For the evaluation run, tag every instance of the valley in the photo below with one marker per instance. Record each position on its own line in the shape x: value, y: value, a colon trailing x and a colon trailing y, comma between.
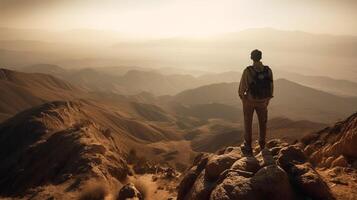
x: 77, y: 133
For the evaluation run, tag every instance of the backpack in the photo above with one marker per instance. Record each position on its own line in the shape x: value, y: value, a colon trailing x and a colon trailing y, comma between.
x: 261, y: 85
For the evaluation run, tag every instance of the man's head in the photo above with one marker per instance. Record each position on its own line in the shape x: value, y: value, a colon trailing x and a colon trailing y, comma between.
x: 256, y: 55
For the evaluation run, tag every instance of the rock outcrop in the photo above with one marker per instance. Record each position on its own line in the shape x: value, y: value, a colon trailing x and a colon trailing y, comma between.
x: 278, y: 172
x: 333, y: 146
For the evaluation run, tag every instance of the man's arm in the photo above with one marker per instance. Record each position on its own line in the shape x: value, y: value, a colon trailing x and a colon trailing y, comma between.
x: 272, y: 83
x: 243, y: 85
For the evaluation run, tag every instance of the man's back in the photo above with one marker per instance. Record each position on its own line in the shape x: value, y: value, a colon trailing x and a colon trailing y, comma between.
x: 249, y: 77
x: 255, y: 89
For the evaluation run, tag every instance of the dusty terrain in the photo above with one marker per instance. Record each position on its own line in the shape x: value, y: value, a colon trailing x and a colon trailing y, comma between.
x: 65, y: 141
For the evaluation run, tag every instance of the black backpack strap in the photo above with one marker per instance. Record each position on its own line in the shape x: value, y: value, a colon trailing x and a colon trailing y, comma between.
x: 268, y: 70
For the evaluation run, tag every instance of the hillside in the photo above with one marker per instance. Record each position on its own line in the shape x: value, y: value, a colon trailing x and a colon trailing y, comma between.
x: 297, y: 101
x: 50, y: 69
x: 218, y: 93
x: 335, y: 145
x: 219, y: 133
x: 290, y: 130
x: 95, y: 144
x: 334, y: 149
x: 24, y: 90
x: 209, y: 111
x: 35, y: 167
x: 290, y: 100
x: 327, y: 84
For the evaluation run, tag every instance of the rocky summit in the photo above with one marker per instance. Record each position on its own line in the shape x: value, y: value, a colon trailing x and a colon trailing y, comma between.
x: 280, y: 171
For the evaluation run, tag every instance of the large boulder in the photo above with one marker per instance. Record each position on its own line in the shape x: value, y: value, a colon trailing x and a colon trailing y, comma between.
x: 270, y: 182
x: 191, y: 175
x: 201, y: 189
x: 201, y: 161
x: 249, y: 164
x: 234, y: 187
x: 288, y: 156
x: 309, y: 182
x: 217, y: 164
x: 187, y: 182
x: 129, y: 192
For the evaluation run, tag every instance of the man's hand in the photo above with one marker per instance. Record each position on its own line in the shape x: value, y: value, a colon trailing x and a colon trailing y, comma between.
x: 268, y: 101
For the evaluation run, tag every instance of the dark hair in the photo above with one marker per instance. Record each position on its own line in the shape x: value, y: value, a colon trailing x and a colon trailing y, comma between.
x: 256, y: 55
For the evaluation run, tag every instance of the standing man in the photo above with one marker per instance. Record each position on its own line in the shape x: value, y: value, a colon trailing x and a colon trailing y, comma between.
x: 255, y: 91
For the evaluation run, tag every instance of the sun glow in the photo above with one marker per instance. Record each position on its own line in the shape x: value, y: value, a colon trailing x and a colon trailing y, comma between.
x: 181, y: 17
x: 167, y: 19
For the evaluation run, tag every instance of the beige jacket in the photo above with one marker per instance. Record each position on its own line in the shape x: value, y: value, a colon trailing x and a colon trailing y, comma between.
x: 247, y: 79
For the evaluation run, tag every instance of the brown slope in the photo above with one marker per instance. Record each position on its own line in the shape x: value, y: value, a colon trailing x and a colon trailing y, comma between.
x: 216, y: 134
x: 35, y: 80
x: 324, y: 83
x: 50, y: 69
x: 336, y: 142
x: 333, y: 151
x: 52, y: 146
x: 24, y: 90
x: 209, y: 111
x: 291, y: 100
x: 15, y: 98
x: 290, y: 130
x: 61, y: 145
x: 225, y: 93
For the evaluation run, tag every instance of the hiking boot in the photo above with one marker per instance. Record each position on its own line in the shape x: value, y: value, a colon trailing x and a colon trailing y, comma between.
x: 261, y: 145
x: 246, y: 149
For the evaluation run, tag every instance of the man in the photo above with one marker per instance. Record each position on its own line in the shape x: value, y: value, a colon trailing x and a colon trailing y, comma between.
x: 255, y: 91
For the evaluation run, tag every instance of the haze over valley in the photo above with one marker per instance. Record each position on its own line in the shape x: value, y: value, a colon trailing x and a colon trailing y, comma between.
x: 122, y: 99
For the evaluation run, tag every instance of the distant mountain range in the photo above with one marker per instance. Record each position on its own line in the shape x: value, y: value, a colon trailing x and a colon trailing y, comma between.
x: 291, y: 100
x: 131, y: 81
x: 293, y: 51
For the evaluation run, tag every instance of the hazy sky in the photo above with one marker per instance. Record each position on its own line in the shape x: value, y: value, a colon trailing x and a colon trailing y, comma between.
x: 182, y: 17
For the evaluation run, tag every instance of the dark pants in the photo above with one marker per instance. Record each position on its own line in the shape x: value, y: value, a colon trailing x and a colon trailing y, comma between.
x: 262, y: 112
